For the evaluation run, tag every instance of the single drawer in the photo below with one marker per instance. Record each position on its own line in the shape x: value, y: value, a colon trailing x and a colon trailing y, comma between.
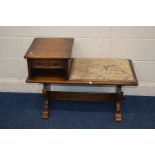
x: 49, y: 64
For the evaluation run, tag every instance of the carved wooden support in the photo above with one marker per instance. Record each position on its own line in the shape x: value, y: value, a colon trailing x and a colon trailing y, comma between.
x: 117, y: 97
x: 46, y: 106
x: 118, y: 115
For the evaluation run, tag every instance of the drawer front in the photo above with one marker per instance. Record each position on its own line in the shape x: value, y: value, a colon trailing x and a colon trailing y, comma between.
x: 49, y: 64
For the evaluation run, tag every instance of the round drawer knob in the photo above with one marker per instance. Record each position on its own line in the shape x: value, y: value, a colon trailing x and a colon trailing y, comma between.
x: 90, y: 82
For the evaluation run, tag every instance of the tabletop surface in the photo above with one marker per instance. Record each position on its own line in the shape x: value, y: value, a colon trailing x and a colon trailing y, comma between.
x: 88, y: 71
x: 103, y: 70
x: 50, y: 48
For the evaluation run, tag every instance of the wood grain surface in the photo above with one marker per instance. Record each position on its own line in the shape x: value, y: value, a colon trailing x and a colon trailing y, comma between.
x: 50, y: 48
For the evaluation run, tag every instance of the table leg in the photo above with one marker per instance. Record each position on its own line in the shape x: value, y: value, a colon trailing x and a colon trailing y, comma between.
x: 118, y: 115
x: 46, y: 106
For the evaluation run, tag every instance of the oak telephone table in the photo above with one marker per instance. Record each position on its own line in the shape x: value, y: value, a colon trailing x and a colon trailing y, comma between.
x: 49, y: 62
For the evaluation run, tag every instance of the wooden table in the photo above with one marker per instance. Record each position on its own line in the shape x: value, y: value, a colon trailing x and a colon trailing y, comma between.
x: 50, y: 62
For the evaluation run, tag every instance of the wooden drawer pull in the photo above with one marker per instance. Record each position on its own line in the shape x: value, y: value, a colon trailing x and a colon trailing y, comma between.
x: 56, y: 65
x: 37, y: 64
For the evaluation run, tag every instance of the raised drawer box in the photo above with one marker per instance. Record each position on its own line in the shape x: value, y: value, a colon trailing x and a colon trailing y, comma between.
x: 49, y: 58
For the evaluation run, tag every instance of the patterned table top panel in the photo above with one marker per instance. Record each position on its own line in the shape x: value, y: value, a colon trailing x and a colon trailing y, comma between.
x: 106, y: 69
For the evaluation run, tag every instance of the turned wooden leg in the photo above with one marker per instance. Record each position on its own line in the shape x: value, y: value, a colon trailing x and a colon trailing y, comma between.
x: 46, y: 106
x: 118, y: 115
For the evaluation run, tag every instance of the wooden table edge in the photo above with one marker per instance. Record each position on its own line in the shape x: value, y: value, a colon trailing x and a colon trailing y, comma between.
x: 76, y: 82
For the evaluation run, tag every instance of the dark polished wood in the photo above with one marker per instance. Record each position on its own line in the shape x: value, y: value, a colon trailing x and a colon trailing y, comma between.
x: 119, y: 94
x: 54, y: 79
x: 48, y: 58
x: 44, y: 48
x: 49, y: 62
x: 46, y: 97
x: 62, y: 80
x: 117, y: 98
x: 83, y: 96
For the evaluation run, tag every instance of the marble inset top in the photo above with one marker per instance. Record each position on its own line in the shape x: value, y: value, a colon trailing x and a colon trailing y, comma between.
x: 105, y: 69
